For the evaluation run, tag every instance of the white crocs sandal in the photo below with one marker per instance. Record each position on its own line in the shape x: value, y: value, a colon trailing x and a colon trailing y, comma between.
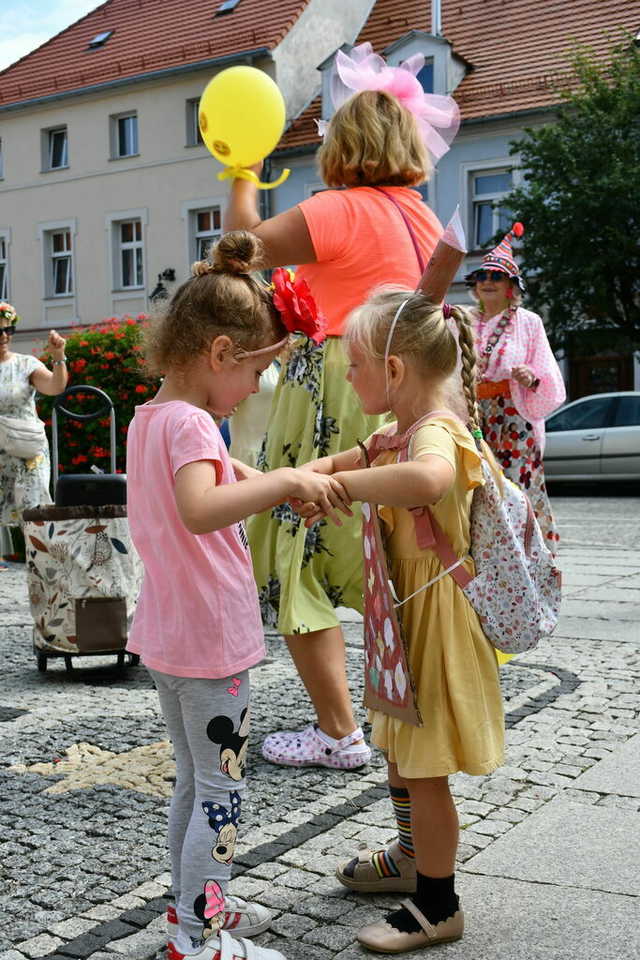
x: 312, y: 747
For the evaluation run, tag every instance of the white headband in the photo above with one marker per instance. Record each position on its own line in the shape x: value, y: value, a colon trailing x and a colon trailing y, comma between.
x: 388, y: 346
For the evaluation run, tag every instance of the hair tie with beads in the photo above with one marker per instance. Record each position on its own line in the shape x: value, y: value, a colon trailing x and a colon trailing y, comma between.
x: 447, y: 311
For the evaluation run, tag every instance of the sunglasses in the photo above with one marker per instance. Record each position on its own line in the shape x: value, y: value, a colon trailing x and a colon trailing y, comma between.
x: 494, y: 275
x: 8, y: 330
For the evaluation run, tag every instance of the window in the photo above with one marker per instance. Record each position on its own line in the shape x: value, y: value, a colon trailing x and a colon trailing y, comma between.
x: 55, y: 150
x: 588, y: 415
x: 226, y: 7
x: 59, y: 282
x: 130, y: 259
x: 4, y: 269
x: 426, y: 77
x: 488, y: 187
x: 628, y: 412
x: 100, y: 39
x: 1, y: 161
x: 194, y: 137
x: 124, y: 136
x: 207, y: 225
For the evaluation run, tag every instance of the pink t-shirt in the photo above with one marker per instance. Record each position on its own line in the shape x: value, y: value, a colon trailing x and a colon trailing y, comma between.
x: 361, y: 241
x: 198, y: 612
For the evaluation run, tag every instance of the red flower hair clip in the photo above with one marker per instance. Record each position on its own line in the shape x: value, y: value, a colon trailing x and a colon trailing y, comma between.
x: 294, y: 301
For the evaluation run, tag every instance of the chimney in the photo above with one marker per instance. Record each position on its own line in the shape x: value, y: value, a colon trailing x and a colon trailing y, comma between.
x: 436, y: 17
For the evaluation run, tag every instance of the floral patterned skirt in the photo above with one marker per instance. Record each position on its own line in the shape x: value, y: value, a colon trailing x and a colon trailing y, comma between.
x: 511, y: 438
x: 303, y: 574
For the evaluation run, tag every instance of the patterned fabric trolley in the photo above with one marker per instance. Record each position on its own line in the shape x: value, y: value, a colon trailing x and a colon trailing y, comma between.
x: 83, y: 572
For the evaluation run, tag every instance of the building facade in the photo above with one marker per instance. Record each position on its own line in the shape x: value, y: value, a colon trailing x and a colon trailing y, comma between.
x: 106, y: 189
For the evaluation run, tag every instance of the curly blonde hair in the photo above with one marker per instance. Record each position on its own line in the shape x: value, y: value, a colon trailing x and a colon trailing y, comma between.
x: 372, y: 139
x: 220, y: 298
x: 421, y: 333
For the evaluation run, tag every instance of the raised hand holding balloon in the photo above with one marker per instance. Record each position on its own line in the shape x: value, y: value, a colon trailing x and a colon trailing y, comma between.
x: 241, y: 118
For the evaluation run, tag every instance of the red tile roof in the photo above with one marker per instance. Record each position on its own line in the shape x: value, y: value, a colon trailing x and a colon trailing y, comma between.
x: 149, y: 35
x: 517, y: 48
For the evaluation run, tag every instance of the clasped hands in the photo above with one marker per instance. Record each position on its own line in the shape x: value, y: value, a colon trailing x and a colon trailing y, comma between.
x: 319, y: 495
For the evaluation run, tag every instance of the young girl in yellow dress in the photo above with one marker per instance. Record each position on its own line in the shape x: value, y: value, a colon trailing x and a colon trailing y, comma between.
x: 403, y: 357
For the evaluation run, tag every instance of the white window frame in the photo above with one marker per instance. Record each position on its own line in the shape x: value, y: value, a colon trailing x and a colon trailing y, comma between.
x: 133, y: 247
x: 189, y: 212
x: 115, y: 120
x: 113, y: 222
x: 46, y: 233
x: 5, y: 262
x: 48, y: 135
x: 193, y: 135
x: 483, y: 167
x: 207, y: 235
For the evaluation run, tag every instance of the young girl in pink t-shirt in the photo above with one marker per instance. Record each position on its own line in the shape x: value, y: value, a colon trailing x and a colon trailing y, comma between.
x: 197, y: 625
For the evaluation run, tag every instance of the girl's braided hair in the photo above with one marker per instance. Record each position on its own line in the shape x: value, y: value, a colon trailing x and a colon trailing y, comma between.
x: 222, y: 297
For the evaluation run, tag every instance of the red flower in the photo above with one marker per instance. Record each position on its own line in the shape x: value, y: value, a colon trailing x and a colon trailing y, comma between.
x: 78, y: 365
x: 140, y: 388
x: 109, y: 355
x: 79, y: 459
x: 294, y: 302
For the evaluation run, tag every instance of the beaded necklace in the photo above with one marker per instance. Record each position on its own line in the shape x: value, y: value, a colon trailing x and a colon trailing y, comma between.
x: 500, y: 333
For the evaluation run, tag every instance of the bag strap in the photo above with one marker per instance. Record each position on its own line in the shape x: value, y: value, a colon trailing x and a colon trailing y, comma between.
x: 429, y: 533
x: 407, y: 224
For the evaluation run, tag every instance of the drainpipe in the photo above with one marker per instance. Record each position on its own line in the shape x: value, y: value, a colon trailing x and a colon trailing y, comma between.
x: 436, y: 18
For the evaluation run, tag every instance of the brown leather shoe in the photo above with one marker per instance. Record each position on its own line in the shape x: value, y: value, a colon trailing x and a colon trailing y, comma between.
x: 366, y: 878
x: 383, y: 938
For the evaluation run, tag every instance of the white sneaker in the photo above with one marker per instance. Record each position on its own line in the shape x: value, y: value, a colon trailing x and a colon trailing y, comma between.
x: 224, y: 947
x: 244, y: 918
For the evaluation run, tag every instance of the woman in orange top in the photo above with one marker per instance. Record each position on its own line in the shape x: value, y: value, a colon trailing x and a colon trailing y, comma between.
x: 377, y: 230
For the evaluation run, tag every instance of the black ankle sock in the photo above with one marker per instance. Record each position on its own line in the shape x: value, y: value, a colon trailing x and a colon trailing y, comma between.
x: 435, y: 897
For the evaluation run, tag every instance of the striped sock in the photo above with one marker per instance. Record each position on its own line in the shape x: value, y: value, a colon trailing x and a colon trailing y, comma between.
x: 402, y: 809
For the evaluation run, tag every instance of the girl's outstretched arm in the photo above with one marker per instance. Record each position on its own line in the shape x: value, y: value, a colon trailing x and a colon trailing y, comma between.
x: 345, y: 460
x: 415, y: 483
x: 411, y: 484
x: 204, y: 506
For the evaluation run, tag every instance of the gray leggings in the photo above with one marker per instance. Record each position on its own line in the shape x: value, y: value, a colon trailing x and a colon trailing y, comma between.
x: 208, y: 723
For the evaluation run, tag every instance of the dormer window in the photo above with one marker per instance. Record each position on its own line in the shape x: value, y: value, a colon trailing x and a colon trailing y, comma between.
x: 100, y: 39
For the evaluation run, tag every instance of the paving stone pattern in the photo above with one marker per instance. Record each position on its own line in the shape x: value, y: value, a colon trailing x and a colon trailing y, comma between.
x: 84, y: 872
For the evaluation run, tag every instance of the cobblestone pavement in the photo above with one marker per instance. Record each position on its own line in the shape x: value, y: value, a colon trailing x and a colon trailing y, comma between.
x: 86, y: 771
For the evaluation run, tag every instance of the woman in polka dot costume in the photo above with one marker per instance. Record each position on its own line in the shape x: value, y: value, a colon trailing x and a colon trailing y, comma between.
x: 520, y: 382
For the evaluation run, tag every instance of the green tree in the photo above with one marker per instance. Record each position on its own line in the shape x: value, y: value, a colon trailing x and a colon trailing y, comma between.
x: 580, y: 203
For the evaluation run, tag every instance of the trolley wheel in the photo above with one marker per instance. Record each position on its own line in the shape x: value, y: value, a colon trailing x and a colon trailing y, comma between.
x: 134, y: 659
x: 42, y: 662
x: 121, y: 660
x: 68, y: 663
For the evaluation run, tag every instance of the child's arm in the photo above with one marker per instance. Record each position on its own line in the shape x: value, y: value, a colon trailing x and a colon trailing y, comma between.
x: 345, y: 460
x: 412, y: 484
x: 203, y: 506
x: 243, y: 471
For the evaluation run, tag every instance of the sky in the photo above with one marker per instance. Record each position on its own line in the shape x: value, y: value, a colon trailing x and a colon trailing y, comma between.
x: 26, y: 24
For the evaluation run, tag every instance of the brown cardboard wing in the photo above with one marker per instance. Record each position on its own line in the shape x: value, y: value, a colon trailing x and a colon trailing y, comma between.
x: 444, y: 263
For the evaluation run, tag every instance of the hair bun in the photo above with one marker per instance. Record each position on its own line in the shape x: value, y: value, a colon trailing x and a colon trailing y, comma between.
x: 237, y: 252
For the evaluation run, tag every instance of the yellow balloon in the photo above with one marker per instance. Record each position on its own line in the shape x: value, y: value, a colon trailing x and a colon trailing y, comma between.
x: 241, y: 116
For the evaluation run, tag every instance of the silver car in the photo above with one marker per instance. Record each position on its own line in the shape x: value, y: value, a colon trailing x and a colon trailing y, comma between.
x: 595, y: 438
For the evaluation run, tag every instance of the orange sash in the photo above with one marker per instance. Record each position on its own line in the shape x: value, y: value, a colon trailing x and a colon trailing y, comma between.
x: 493, y: 388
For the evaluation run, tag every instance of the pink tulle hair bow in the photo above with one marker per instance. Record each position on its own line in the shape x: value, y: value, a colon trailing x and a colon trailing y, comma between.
x: 438, y: 117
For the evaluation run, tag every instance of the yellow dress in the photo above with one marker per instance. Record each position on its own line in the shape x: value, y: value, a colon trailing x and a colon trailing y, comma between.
x: 453, y: 663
